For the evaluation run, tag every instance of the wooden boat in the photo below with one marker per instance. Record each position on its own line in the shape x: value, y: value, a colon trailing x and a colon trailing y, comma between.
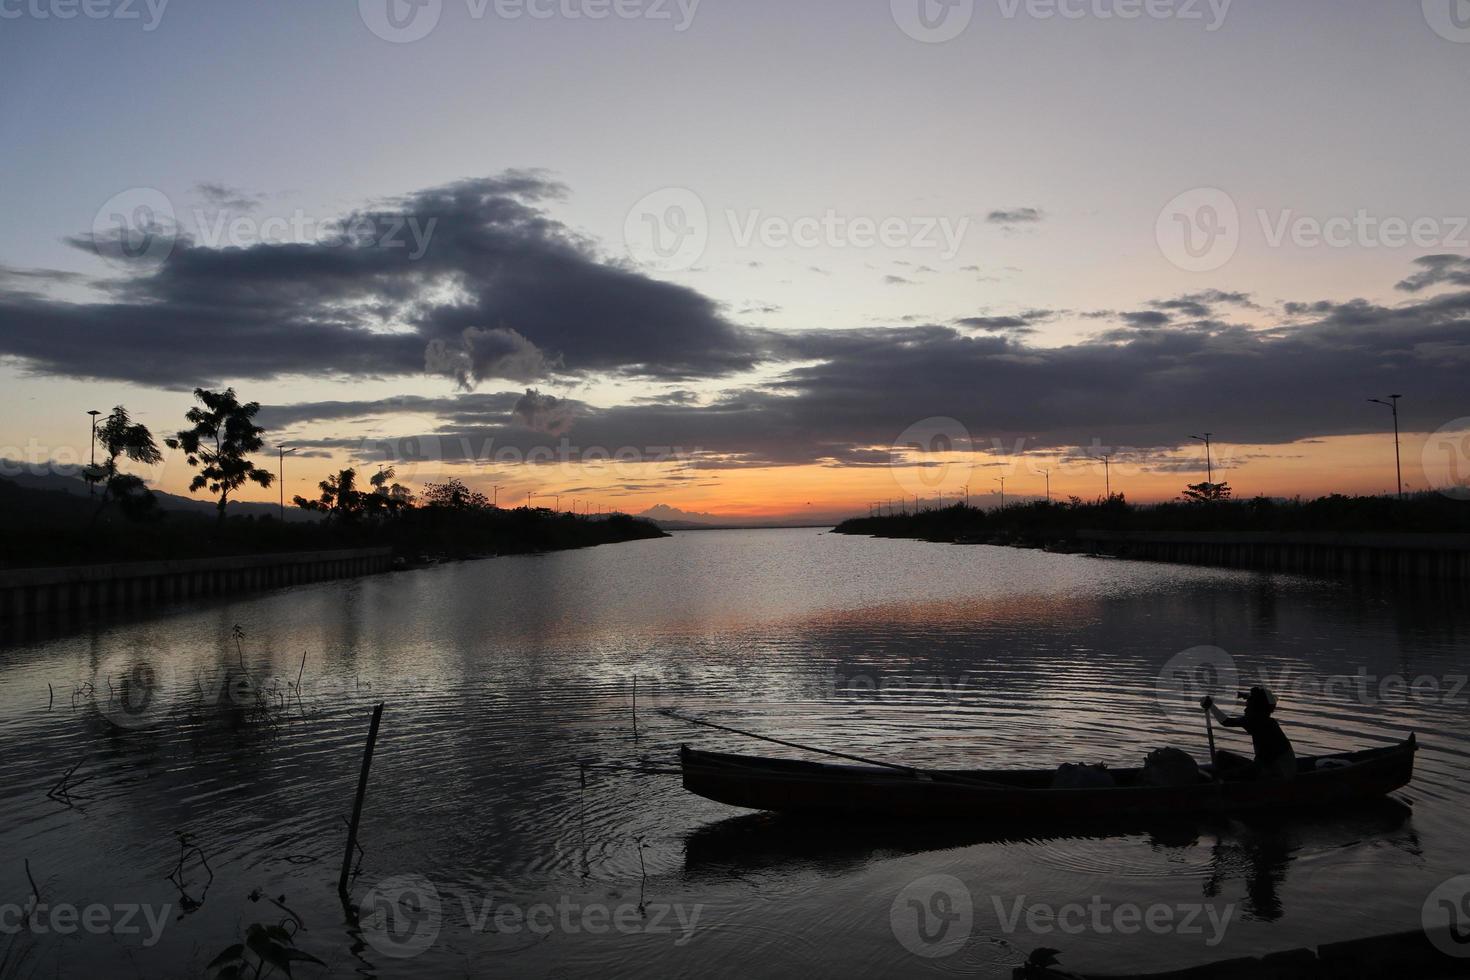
x: 1001, y: 796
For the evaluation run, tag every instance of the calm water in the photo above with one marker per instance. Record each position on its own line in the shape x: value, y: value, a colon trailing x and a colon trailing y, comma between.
x: 500, y: 677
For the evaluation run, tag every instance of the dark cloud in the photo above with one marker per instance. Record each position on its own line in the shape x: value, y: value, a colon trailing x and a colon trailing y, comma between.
x: 495, y: 288
x: 543, y: 413
x: 857, y: 390
x: 1020, y: 323
x: 1015, y: 216
x: 1202, y: 304
x: 1438, y: 270
x: 227, y: 198
x: 997, y: 324
x: 1145, y: 318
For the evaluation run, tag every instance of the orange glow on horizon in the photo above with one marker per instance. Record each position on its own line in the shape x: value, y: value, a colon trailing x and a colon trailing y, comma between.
x: 818, y: 493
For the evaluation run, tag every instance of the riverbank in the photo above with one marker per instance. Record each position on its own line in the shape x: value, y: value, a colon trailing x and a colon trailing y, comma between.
x: 46, y: 529
x: 1425, y: 536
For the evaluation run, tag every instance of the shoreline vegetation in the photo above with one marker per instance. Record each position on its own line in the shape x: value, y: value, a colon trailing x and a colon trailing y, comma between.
x: 1057, y: 525
x: 46, y: 528
x: 120, y: 520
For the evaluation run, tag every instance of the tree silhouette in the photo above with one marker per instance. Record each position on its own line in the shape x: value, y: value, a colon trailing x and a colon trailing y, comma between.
x: 341, y: 500
x: 1207, y: 492
x: 223, y: 433
x: 454, y: 495
x: 121, y: 438
x: 387, y: 496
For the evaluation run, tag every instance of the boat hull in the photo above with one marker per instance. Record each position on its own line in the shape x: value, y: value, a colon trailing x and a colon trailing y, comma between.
x: 1022, y: 796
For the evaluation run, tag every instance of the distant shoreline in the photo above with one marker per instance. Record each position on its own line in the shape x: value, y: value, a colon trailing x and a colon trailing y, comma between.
x: 750, y: 527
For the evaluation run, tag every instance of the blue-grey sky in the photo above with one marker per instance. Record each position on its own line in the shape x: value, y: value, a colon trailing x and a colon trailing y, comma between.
x: 1025, y: 167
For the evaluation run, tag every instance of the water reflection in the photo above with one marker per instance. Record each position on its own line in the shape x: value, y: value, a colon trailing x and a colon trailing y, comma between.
x: 502, y: 677
x: 1258, y: 851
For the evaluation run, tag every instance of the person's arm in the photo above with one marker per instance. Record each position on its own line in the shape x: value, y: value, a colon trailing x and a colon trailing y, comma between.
x: 1209, y: 705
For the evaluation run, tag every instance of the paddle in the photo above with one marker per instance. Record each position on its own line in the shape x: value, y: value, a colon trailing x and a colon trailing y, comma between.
x: 1210, y: 731
x: 926, y: 773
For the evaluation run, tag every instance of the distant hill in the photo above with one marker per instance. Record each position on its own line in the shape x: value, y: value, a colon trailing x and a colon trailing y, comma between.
x: 32, y: 476
x: 674, y: 519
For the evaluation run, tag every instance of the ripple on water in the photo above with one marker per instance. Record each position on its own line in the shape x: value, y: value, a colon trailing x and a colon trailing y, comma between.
x: 502, y: 678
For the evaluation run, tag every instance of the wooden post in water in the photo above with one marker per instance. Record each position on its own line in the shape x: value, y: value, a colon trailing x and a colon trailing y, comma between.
x: 362, y: 781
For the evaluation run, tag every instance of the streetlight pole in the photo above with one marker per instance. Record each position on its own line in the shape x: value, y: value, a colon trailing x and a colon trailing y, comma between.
x: 1002, y: 482
x: 1209, y: 457
x: 92, y: 467
x: 1398, y: 459
x: 1047, y: 473
x: 1108, y: 475
x: 281, y: 453
x: 495, y: 496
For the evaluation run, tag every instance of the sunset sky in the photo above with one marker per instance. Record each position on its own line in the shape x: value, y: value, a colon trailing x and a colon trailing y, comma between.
x: 749, y: 258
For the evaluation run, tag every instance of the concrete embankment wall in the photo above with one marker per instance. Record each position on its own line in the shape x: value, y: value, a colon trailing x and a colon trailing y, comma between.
x: 1416, y: 556
x: 33, y: 593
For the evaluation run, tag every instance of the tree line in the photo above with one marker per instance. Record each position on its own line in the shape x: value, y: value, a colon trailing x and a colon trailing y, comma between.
x: 221, y: 437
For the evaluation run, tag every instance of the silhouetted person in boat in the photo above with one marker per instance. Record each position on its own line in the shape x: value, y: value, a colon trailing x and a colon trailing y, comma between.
x: 1275, y: 758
